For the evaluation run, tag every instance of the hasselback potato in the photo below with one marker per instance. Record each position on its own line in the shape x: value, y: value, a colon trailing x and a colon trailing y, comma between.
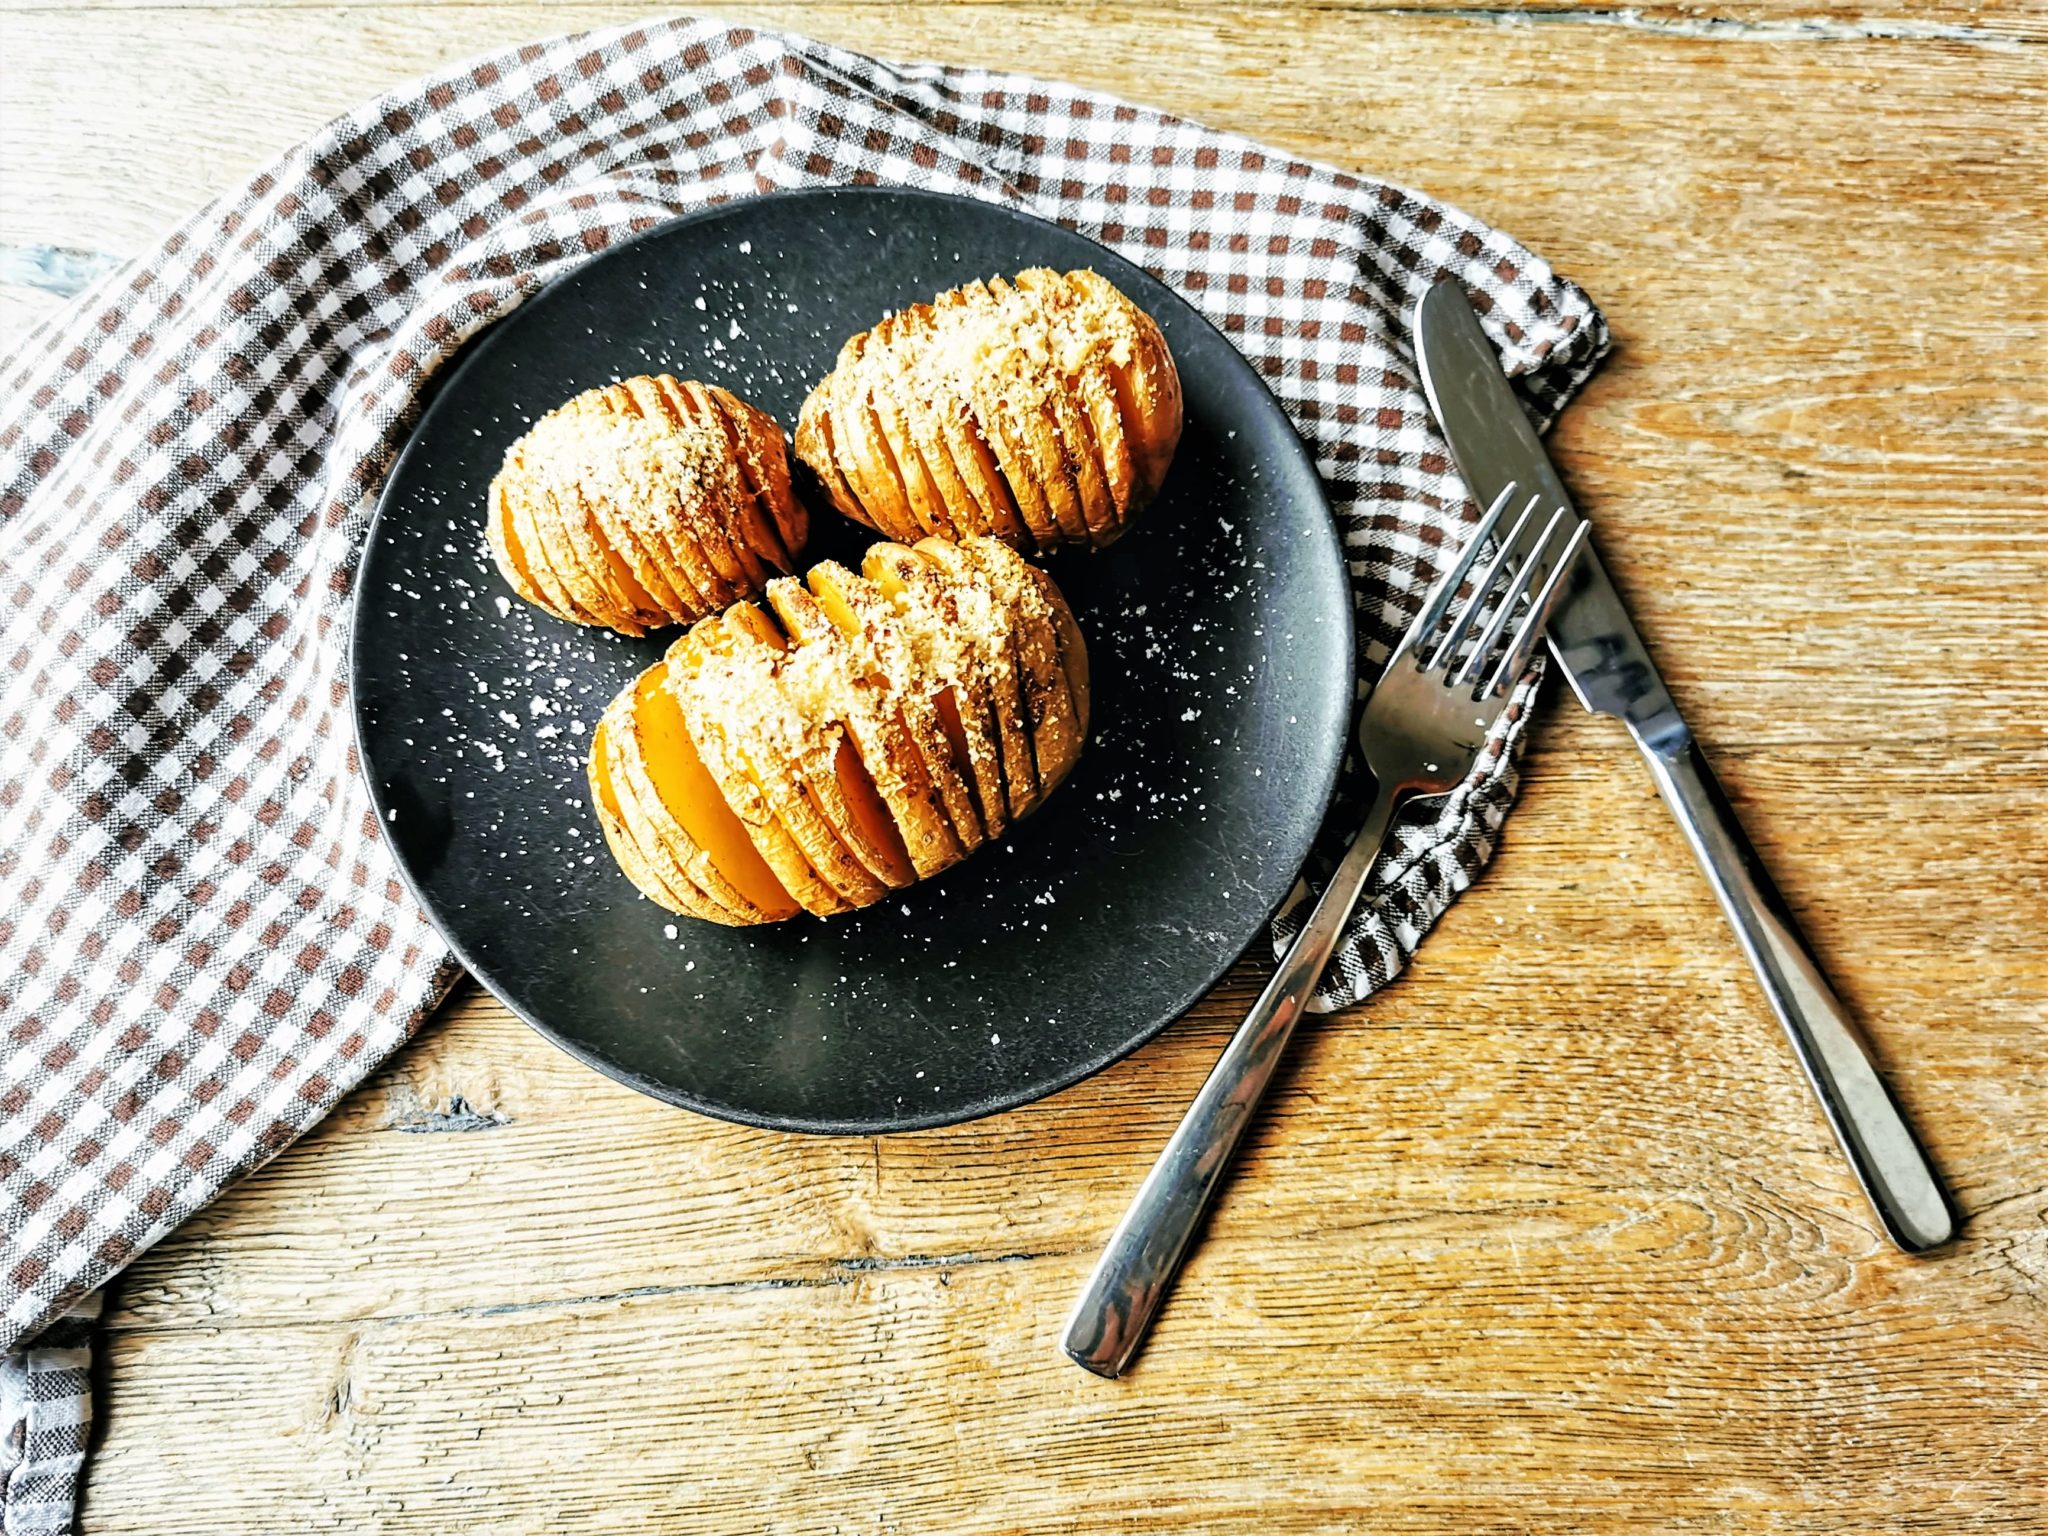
x: 1042, y: 412
x: 647, y: 503
x: 875, y: 730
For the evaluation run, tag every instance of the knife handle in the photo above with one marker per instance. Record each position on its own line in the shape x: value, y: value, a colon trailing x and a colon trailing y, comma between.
x: 1895, y: 1173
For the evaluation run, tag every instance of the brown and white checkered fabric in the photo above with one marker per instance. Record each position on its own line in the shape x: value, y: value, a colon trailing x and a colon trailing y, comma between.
x: 46, y: 1422
x: 204, y: 944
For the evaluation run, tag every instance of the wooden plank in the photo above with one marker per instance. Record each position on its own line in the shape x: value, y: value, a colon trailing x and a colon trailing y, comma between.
x: 1805, y: 21
x: 195, y: 107
x: 1550, y: 1234
x: 24, y: 307
x: 1628, y: 1365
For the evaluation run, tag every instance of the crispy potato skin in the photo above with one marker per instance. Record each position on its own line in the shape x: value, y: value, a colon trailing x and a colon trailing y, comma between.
x: 874, y: 728
x: 1043, y: 411
x: 652, y: 502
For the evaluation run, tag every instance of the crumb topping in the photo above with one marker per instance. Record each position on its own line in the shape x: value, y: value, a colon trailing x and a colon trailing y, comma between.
x: 647, y: 468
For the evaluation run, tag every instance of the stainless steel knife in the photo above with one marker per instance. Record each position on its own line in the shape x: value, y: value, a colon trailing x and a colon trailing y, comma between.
x: 1605, y: 662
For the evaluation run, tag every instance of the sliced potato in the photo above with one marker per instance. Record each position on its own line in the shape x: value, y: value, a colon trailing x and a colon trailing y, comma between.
x: 892, y: 412
x: 817, y: 440
x: 681, y: 821
x: 887, y: 739
x: 776, y: 524
x: 863, y: 460
x: 804, y: 762
x: 1090, y: 419
x: 1003, y: 667
x: 730, y: 744
x: 532, y: 521
x: 871, y: 823
x: 1148, y: 389
x: 1055, y: 726
x: 847, y: 795
x: 648, y: 502
x: 1073, y: 653
x: 890, y: 723
x: 873, y: 630
x: 506, y: 549
x: 1030, y: 382
x: 1043, y: 410
x: 666, y: 886
x: 932, y: 609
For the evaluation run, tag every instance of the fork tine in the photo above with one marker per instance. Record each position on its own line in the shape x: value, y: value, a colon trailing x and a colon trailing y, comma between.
x: 1517, y: 588
x: 1476, y: 603
x: 1531, y: 628
x: 1447, y: 585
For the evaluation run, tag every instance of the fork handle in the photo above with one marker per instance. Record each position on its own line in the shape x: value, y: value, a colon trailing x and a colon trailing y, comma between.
x: 1889, y: 1163
x: 1144, y: 1253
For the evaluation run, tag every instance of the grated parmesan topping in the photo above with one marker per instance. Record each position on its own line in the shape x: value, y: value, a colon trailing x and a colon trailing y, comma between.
x: 644, y: 467
x: 788, y: 710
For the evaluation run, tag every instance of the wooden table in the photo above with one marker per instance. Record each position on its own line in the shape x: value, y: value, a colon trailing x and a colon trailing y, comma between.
x: 1550, y: 1236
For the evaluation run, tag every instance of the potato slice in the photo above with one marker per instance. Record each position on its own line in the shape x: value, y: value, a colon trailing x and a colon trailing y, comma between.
x: 1096, y: 385
x: 729, y: 704
x: 652, y: 588
x: 1003, y: 665
x: 1055, y: 727
x: 892, y: 410
x: 1073, y: 654
x: 1043, y: 410
x: 955, y: 447
x: 669, y: 542
x: 658, y: 878
x: 999, y: 430
x: 787, y: 751
x: 913, y: 768
x: 940, y: 618
x: 1098, y: 508
x: 674, y: 807
x: 846, y: 795
x: 956, y: 506
x: 798, y: 766
x: 776, y: 523
x: 863, y: 456
x: 891, y: 723
x: 635, y: 547
x: 975, y: 460
x: 872, y: 825
x: 689, y: 814
x: 506, y: 549
x: 879, y: 639
x: 647, y: 502
x: 743, y: 535
x: 534, y: 530
x: 1031, y: 387
x: 707, y: 526
x: 1090, y: 421
x: 604, y: 584
x: 1148, y: 388
x: 817, y: 443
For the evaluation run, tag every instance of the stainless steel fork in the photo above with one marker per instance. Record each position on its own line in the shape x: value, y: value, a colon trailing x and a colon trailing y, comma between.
x: 1421, y: 731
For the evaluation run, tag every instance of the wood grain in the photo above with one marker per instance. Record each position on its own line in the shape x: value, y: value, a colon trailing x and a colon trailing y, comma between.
x: 1550, y: 1235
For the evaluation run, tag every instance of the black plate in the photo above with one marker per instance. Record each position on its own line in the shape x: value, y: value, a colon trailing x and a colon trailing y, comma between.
x: 1220, y: 634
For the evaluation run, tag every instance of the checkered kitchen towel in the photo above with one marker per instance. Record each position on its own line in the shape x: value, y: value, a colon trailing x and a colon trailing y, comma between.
x: 203, y: 944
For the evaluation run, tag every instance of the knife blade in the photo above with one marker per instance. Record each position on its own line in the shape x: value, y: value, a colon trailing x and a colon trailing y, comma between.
x: 1604, y: 659
x: 1610, y: 670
